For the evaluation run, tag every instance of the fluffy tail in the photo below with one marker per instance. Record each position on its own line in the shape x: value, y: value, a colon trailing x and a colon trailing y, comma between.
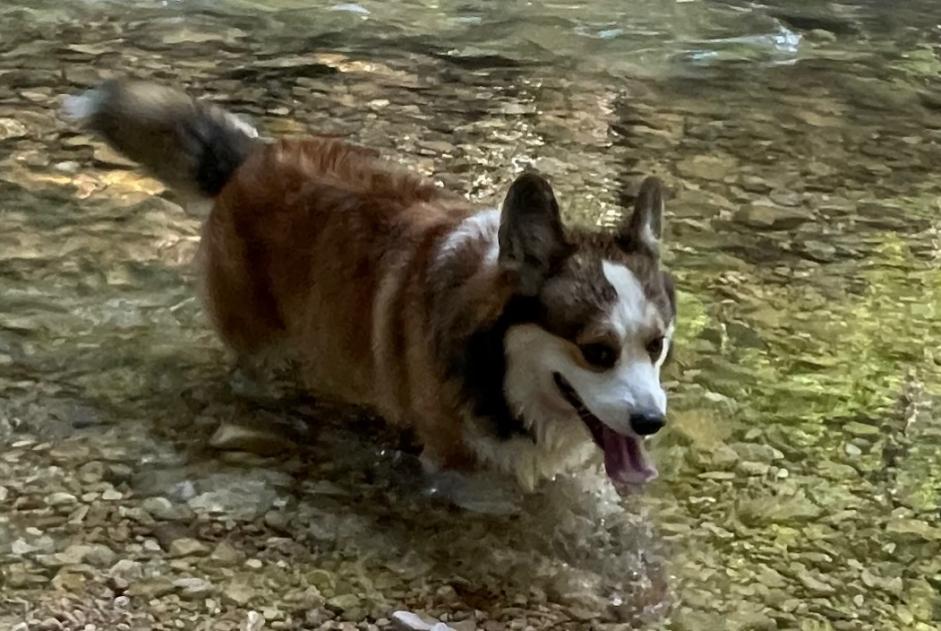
x: 191, y: 146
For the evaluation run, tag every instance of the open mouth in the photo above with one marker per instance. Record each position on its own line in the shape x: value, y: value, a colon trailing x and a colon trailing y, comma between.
x: 626, y: 461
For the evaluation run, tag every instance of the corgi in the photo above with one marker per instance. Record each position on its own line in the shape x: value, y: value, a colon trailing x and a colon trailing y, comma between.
x: 504, y: 338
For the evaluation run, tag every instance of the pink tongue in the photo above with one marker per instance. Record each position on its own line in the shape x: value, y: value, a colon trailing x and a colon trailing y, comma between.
x: 625, y: 459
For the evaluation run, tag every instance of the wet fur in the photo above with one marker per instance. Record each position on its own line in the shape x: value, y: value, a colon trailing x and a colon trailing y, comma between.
x: 395, y: 294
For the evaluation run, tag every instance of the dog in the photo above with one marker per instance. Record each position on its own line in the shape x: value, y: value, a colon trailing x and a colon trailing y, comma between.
x: 503, y: 338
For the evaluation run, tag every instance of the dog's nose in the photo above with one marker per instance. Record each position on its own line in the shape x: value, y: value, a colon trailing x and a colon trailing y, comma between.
x: 646, y: 423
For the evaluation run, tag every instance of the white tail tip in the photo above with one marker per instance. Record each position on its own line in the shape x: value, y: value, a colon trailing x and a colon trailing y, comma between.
x: 83, y: 106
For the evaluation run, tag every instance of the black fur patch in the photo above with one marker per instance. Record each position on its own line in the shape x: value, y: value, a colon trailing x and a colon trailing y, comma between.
x: 481, y: 367
x: 218, y: 149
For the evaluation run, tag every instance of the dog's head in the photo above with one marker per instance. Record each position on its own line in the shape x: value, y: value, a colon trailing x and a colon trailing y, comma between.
x: 592, y: 320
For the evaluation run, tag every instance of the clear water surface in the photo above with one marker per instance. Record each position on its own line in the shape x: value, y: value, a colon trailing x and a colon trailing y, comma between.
x: 801, y: 473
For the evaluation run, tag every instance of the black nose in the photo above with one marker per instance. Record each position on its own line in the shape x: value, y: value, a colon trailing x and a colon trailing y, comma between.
x: 646, y: 423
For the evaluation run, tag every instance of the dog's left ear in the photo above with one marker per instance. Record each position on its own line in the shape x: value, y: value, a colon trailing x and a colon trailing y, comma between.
x: 532, y: 239
x: 642, y: 231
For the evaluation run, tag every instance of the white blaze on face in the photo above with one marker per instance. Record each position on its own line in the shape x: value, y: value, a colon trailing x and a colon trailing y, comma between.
x: 534, y: 356
x: 633, y: 385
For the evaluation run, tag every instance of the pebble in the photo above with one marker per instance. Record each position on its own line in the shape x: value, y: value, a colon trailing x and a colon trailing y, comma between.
x: 127, y: 569
x: 94, y: 554
x: 785, y: 197
x: 11, y: 128
x: 254, y: 621
x: 768, y: 217
x: 187, y: 547
x: 821, y: 35
x: 238, y: 593
x: 814, y: 584
x: 717, y: 475
x: 855, y: 428
x: 150, y: 588
x: 22, y: 547
x: 344, y: 601
x: 231, y: 436
x: 193, y: 588
x: 277, y: 520
x: 723, y: 457
x: 408, y: 621
x: 706, y: 167
x: 91, y: 472
x: 163, y: 509
x: 224, y: 554
x: 61, y: 498
x: 111, y: 495
x: 755, y: 184
x: 754, y: 468
x: 137, y: 515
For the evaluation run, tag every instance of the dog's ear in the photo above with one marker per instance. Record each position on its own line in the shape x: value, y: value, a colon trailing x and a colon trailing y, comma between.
x: 532, y: 239
x: 641, y: 232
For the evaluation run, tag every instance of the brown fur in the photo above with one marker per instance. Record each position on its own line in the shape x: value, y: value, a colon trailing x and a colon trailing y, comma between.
x: 321, y: 248
x: 295, y: 249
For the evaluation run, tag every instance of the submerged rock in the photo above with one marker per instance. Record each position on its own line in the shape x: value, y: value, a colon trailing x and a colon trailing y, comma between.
x: 193, y: 588
x: 188, y: 547
x: 706, y: 167
x: 768, y: 217
x: 231, y: 436
x: 163, y: 509
x: 239, y: 593
x: 10, y: 128
x: 408, y: 621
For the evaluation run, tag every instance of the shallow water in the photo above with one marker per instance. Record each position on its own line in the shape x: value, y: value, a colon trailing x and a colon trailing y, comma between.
x: 801, y: 473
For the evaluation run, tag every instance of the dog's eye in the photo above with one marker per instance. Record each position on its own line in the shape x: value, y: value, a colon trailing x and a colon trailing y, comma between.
x: 655, y: 347
x: 599, y: 355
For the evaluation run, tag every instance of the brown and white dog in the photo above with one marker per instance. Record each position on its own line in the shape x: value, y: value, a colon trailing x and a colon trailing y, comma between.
x: 501, y: 337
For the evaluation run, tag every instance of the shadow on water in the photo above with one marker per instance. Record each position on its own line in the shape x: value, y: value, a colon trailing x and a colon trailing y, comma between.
x: 800, y: 476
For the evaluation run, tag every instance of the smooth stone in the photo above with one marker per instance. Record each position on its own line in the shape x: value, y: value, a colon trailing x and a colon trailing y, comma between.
x: 127, y: 569
x: 187, y: 547
x: 61, y: 498
x: 855, y: 428
x: 91, y: 472
x: 231, y: 436
x: 814, y: 584
x: 344, y: 601
x: 10, y: 128
x: 238, y: 593
x: 225, y: 555
x: 706, y: 167
x: 151, y: 588
x: 163, y: 509
x: 254, y: 621
x: 111, y: 495
x: 769, y: 217
x: 408, y: 621
x: 97, y: 555
x: 754, y: 468
x: 193, y: 588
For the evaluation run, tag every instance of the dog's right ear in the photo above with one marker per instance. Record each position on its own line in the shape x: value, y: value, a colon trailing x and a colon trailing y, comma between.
x: 643, y: 230
x: 532, y: 239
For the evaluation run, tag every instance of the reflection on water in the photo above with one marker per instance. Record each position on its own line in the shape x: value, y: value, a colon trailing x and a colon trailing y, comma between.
x: 800, y: 478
